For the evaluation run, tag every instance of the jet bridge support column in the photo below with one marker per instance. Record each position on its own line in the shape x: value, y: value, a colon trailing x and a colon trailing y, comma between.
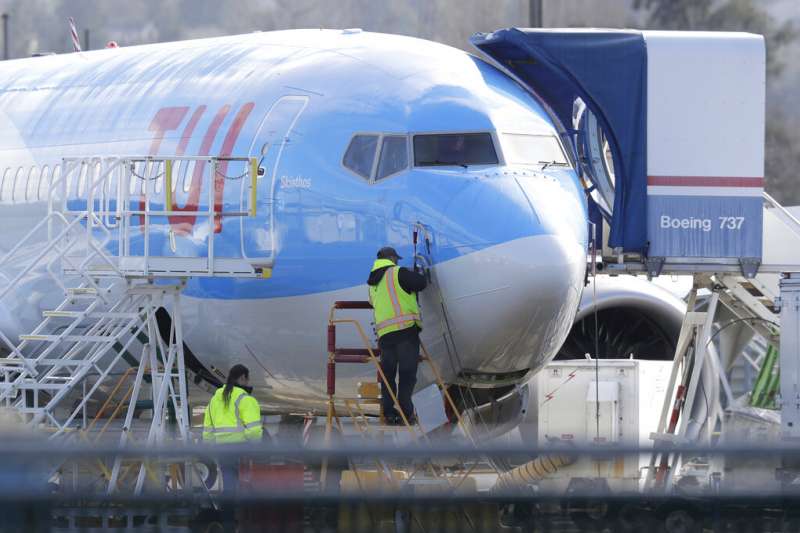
x: 790, y: 355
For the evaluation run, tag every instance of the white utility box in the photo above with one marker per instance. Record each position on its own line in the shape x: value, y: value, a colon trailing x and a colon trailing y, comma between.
x: 629, y: 394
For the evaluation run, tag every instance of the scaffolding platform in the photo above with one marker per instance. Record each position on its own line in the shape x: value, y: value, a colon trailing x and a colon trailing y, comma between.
x: 106, y: 218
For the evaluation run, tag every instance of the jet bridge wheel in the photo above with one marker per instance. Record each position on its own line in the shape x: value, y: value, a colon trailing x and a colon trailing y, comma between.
x: 685, y: 517
x: 586, y: 506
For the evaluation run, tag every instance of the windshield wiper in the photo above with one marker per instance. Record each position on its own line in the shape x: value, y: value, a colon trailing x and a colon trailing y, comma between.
x: 546, y: 164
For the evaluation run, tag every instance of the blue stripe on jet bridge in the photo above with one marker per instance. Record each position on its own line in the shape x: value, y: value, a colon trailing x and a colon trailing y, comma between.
x: 702, y: 226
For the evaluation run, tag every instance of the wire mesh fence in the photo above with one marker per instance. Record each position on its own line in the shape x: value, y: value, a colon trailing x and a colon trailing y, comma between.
x: 411, y: 487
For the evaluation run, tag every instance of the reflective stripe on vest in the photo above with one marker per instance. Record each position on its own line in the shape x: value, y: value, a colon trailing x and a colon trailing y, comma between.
x: 395, y: 309
x: 241, y: 427
x: 233, y: 430
x: 392, y: 290
x: 397, y: 320
x: 239, y: 421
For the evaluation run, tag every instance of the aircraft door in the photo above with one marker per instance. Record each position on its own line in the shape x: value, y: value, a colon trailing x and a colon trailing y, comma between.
x: 258, y: 240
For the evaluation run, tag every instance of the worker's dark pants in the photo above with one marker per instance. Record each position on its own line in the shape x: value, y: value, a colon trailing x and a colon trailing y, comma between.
x: 402, y: 356
x: 230, y: 487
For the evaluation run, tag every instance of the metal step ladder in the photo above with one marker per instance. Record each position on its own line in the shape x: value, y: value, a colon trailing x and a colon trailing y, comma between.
x: 102, y: 213
x: 750, y: 302
x: 369, y: 393
x: 357, y: 407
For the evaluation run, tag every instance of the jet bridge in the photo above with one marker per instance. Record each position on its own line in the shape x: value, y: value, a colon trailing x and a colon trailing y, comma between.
x: 667, y: 129
x: 667, y: 132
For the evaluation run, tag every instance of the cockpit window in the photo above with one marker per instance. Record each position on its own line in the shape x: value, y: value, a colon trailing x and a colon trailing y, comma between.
x: 360, y: 155
x: 394, y: 156
x: 461, y: 149
x: 526, y: 149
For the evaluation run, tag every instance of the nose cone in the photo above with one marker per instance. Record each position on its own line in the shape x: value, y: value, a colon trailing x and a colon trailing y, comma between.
x: 510, y: 305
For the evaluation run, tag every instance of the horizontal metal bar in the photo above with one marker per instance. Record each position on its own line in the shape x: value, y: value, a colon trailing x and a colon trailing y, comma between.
x: 82, y: 290
x: 147, y: 158
x: 362, y: 400
x: 63, y: 314
x: 695, y: 268
x: 720, y: 506
x: 35, y: 448
x: 356, y: 351
x: 31, y: 386
x: 138, y: 212
x: 78, y: 314
x: 352, y: 304
x: 83, y: 296
x: 358, y: 359
x: 68, y: 338
x: 53, y: 362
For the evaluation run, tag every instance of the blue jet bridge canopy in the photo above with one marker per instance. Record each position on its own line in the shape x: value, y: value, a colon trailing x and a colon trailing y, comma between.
x: 604, y: 71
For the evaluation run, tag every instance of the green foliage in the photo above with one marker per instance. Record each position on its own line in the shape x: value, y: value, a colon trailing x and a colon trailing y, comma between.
x: 731, y: 15
x: 675, y: 14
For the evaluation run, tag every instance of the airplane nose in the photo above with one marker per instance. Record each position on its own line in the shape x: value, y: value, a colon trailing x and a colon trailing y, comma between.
x: 509, y: 306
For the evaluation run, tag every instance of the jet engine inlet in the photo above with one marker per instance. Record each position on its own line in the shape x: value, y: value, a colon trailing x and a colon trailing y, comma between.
x: 623, y: 317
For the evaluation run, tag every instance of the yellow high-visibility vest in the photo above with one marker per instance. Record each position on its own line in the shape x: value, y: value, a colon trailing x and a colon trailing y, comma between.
x: 394, y: 308
x: 238, y: 421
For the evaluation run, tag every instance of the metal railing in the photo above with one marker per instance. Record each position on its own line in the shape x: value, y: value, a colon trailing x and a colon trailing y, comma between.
x: 131, y: 199
x: 783, y: 214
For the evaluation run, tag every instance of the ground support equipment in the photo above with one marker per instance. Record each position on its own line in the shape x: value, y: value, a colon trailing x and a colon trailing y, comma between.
x: 94, y: 244
x: 364, y: 409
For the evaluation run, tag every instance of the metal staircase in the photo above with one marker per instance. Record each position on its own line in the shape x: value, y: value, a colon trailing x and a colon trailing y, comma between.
x: 749, y: 302
x: 95, y: 245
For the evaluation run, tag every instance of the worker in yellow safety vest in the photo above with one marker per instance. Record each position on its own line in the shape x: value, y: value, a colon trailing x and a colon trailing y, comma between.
x: 398, y: 324
x: 233, y: 416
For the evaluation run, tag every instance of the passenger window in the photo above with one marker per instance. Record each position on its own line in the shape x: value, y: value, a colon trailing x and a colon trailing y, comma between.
x: 68, y: 180
x: 156, y: 176
x: 80, y: 188
x: 137, y: 178
x: 19, y: 186
x: 43, y: 192
x: 57, y: 185
x: 33, y: 184
x: 394, y: 156
x: 94, y: 178
x: 187, y: 174
x: 6, y: 183
x: 360, y: 155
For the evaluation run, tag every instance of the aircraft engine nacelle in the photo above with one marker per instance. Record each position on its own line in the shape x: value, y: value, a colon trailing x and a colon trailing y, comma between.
x: 624, y: 316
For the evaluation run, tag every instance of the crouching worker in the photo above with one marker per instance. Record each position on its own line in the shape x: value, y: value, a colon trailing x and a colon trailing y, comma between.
x: 392, y: 293
x: 232, y: 417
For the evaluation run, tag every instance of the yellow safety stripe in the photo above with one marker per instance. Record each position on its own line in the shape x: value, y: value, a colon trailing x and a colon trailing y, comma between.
x: 239, y: 421
x: 238, y: 429
x: 397, y: 320
x: 393, y: 291
x: 226, y: 430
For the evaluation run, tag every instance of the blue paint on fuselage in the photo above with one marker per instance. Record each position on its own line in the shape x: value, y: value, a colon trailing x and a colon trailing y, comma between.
x: 326, y: 234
